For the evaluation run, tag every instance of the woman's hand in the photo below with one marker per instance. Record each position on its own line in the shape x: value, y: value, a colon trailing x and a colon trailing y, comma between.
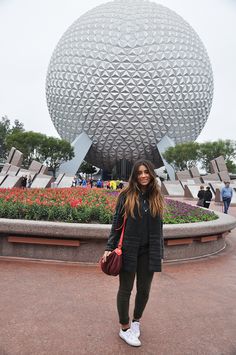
x: 105, y: 255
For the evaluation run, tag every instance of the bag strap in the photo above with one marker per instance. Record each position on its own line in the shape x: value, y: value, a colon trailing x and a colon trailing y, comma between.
x: 122, y: 234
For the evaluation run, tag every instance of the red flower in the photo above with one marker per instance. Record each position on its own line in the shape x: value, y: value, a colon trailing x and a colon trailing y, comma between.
x: 76, y: 203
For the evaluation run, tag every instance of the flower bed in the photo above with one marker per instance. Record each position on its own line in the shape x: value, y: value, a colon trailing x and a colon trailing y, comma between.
x: 83, y: 205
x: 180, y: 212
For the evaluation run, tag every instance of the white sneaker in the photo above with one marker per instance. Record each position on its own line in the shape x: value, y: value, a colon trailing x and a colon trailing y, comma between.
x: 135, y: 327
x: 129, y: 337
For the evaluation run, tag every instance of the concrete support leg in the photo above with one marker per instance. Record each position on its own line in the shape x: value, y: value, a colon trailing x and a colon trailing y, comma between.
x: 162, y: 146
x: 81, y: 146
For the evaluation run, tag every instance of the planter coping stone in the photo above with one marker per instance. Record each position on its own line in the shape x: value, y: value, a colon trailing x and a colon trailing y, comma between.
x: 101, y: 231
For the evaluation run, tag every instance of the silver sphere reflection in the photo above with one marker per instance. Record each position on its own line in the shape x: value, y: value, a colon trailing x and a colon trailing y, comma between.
x: 128, y: 73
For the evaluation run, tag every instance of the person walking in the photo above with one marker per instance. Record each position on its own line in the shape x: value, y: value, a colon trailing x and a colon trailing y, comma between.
x: 29, y: 181
x: 226, y: 195
x: 74, y: 181
x: 207, y: 197
x: 141, y: 204
x: 23, y: 181
x: 99, y: 184
x: 84, y: 182
x: 200, y: 196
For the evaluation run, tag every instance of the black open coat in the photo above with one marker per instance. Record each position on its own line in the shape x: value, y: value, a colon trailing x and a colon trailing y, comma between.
x: 132, y: 238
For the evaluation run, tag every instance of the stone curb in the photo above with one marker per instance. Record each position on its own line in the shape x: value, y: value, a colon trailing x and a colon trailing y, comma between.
x: 222, y: 224
x: 101, y: 231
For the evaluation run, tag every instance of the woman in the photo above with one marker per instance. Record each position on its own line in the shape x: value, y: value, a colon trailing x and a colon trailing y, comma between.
x: 200, y: 196
x: 142, y: 203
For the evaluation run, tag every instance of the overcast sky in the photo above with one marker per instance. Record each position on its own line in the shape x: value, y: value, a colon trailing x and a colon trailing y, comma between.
x: 30, y: 30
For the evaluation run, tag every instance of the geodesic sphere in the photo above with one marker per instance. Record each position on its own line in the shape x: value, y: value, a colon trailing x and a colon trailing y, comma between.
x: 128, y: 73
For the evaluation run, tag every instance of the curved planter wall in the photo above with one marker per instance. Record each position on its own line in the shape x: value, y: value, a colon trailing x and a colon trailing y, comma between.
x: 85, y: 242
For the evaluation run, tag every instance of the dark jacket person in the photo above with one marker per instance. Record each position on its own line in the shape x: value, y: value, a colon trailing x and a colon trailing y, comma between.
x: 141, y: 202
x: 200, y: 195
x: 207, y: 197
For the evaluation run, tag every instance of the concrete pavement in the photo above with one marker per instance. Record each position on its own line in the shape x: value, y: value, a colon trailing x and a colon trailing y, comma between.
x: 60, y: 309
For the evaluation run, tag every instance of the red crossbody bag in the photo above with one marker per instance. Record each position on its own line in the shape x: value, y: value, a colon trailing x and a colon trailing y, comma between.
x: 113, y: 263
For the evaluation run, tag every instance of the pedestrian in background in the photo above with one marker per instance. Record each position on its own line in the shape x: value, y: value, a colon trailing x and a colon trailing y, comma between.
x: 99, y: 183
x: 29, y: 181
x: 200, y: 196
x: 207, y: 197
x: 74, y: 181
x: 84, y: 183
x: 23, y: 181
x: 226, y: 195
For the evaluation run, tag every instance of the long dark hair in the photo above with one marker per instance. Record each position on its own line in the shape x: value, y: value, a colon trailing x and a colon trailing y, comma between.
x: 132, y: 191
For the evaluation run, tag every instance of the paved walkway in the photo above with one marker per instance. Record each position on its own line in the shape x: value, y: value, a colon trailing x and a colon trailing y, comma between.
x: 60, y: 309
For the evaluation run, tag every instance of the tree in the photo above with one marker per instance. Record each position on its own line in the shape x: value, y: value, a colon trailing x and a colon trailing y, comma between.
x: 37, y: 146
x: 5, y: 130
x: 212, y: 150
x: 183, y: 156
x: 186, y: 155
x: 231, y: 166
x: 54, y: 151
x: 28, y: 143
x: 17, y: 127
x: 87, y: 168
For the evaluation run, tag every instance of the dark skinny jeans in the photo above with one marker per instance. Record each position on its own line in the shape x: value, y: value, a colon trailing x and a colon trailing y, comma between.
x: 143, y: 284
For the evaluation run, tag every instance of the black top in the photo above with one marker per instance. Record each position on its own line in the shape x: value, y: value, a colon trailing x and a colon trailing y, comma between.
x: 142, y: 234
x: 23, y: 181
x: 208, y: 195
x: 143, y: 221
x: 201, y: 194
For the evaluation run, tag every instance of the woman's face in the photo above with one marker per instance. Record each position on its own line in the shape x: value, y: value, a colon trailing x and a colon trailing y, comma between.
x: 143, y: 177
